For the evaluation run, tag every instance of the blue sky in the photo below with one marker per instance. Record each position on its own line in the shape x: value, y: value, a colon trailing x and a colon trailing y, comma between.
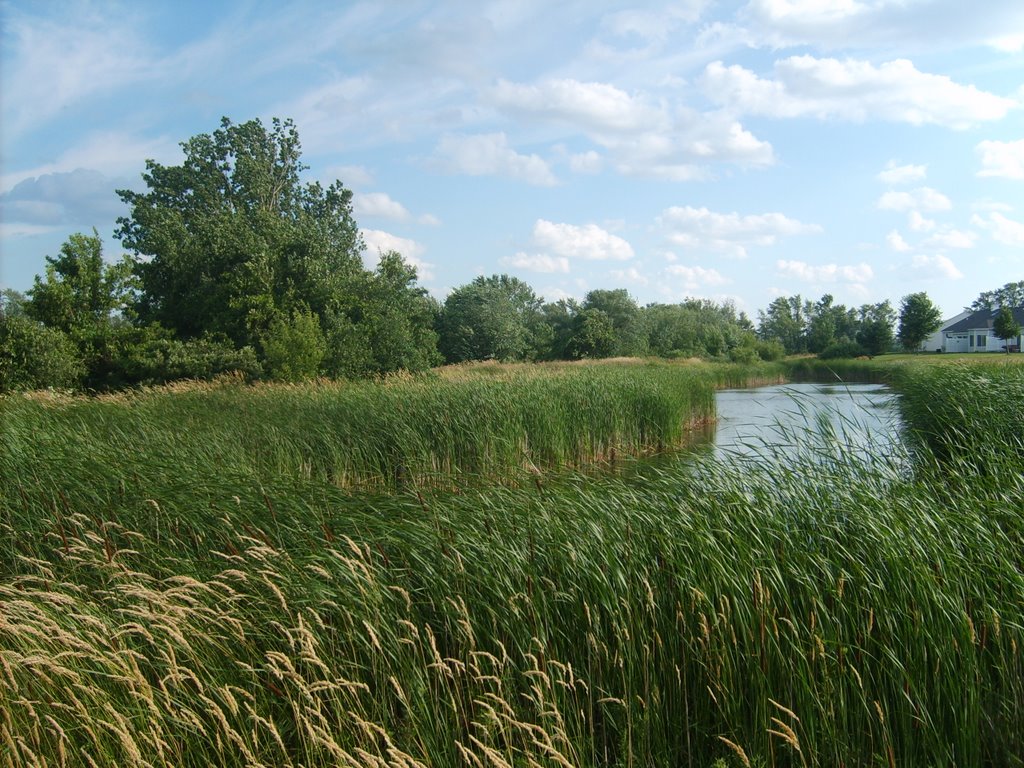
x: 724, y: 150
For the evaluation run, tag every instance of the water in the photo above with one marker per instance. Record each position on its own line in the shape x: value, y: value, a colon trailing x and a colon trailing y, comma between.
x: 791, y: 420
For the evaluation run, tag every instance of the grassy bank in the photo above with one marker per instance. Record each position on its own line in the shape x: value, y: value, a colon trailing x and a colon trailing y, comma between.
x: 167, y: 613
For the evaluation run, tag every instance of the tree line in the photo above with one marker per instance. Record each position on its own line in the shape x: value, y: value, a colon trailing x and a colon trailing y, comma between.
x: 235, y: 265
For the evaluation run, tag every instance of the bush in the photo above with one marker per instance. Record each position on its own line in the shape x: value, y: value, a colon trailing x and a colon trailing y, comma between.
x: 745, y: 355
x: 33, y: 356
x: 842, y: 349
x: 770, y: 351
x: 159, y: 361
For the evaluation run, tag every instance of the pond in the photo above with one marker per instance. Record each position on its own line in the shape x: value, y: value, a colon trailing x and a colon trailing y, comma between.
x: 790, y: 420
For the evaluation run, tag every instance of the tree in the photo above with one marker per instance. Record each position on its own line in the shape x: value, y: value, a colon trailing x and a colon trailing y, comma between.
x: 593, y: 335
x: 1006, y: 326
x: 491, y: 318
x: 1010, y: 295
x: 875, y: 333
x: 79, y: 292
x: 785, y: 322
x: 621, y: 312
x: 230, y: 241
x: 919, y: 318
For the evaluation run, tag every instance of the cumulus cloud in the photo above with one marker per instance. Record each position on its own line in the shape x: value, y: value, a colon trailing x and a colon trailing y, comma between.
x: 919, y: 223
x: 895, y: 241
x: 585, y: 242
x: 1002, y: 158
x: 631, y: 275
x: 853, y: 90
x: 694, y: 278
x: 586, y: 162
x: 379, y: 204
x: 730, y: 233
x: 537, y: 262
x: 489, y: 154
x: 923, y: 267
x: 903, y: 174
x: 593, y: 107
x: 81, y: 197
x: 952, y: 238
x: 825, y: 273
x: 920, y: 199
x: 643, y: 136
x: 378, y: 241
x: 1003, y: 229
x: 874, y: 23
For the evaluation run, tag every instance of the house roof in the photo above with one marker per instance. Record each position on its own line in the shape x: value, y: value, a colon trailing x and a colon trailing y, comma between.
x: 983, y: 319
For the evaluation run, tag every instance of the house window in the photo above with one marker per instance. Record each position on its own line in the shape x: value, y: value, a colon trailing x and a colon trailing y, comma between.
x: 972, y: 341
x: 981, y: 340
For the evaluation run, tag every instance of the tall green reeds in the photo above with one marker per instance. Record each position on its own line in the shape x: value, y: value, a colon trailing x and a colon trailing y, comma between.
x: 792, y: 613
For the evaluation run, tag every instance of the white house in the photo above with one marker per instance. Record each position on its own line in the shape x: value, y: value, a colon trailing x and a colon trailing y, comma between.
x: 936, y: 342
x: 974, y: 333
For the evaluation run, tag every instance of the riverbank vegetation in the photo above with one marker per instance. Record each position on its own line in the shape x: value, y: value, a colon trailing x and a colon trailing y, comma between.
x: 233, y: 264
x: 189, y: 580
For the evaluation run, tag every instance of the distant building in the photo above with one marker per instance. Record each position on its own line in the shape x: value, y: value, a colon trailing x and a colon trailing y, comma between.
x: 936, y: 342
x: 974, y: 333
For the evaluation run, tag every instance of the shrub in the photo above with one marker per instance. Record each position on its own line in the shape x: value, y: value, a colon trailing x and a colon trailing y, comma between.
x: 769, y: 351
x: 842, y: 349
x: 33, y: 356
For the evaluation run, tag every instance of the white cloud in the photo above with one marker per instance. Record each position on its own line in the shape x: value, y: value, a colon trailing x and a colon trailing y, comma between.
x: 952, y: 238
x: 902, y: 174
x: 1002, y: 158
x: 694, y: 278
x: 932, y: 267
x: 922, y: 198
x: 919, y: 223
x: 852, y: 90
x: 586, y: 242
x: 825, y: 273
x: 631, y: 275
x: 490, y: 155
x: 895, y: 241
x: 537, y: 262
x: 586, y: 162
x: 429, y: 219
x: 377, y: 242
x: 379, y: 204
x: 593, y: 107
x: 112, y: 153
x: 731, y: 233
x: 878, y: 23
x: 1003, y: 230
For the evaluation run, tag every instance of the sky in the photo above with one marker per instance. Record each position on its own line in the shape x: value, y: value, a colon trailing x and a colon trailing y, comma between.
x: 738, y: 151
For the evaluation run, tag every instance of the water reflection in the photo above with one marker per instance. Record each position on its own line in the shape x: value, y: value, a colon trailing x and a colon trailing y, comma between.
x: 792, y: 420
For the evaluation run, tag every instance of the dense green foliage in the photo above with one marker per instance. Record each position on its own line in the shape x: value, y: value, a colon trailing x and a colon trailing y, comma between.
x: 816, y: 612
x: 801, y: 325
x: 919, y: 318
x: 1010, y: 295
x: 1005, y: 326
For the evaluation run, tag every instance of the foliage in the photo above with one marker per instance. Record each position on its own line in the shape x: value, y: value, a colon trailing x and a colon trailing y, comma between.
x: 593, y: 335
x: 80, y: 293
x: 158, y: 613
x: 294, y: 346
x: 622, y: 315
x: 919, y: 318
x: 159, y: 360
x: 491, y: 318
x: 769, y: 351
x: 231, y: 239
x: 33, y: 356
x: 1006, y: 326
x: 875, y: 333
x: 1010, y: 295
x: 784, y: 322
x: 842, y: 349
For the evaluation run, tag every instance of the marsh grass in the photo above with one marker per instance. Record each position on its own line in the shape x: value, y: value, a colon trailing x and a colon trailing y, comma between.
x: 794, y: 612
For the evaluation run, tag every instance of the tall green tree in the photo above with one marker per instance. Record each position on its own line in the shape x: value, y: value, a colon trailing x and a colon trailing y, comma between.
x: 784, y: 321
x: 492, y: 318
x: 876, y: 322
x: 1010, y: 295
x: 622, y: 314
x: 1006, y: 326
x: 231, y: 240
x: 919, y: 318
